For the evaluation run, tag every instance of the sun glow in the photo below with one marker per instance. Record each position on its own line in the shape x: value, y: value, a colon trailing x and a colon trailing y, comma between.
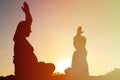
x: 62, y: 65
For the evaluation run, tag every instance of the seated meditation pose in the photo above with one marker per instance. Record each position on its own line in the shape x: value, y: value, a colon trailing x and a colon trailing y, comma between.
x: 26, y: 64
x: 79, y: 67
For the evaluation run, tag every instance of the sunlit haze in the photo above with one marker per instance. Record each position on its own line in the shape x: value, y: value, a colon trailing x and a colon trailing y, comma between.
x: 54, y: 25
x: 62, y: 65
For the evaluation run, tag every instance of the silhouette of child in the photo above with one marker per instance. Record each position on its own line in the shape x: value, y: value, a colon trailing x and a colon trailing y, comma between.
x: 79, y: 62
x: 79, y: 69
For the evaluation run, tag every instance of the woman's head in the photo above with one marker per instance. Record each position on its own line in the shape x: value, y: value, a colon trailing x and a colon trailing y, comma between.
x: 22, y: 30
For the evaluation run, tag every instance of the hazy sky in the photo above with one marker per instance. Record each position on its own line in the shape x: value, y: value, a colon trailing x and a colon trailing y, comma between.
x: 54, y: 25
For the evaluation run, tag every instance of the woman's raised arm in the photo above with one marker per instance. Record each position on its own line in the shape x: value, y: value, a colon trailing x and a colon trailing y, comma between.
x: 28, y: 16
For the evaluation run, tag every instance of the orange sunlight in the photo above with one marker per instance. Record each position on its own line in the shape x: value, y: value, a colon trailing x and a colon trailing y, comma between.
x: 62, y: 65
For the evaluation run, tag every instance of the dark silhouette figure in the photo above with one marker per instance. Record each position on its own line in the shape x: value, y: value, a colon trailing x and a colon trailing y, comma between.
x: 26, y: 64
x: 79, y: 70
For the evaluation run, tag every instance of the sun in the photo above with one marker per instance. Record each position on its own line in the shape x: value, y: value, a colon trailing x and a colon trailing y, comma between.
x: 62, y: 65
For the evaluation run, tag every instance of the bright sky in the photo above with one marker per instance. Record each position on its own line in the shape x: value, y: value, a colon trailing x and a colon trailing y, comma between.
x: 54, y: 25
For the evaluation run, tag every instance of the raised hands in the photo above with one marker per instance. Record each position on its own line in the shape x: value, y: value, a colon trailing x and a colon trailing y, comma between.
x: 26, y: 10
x: 25, y: 7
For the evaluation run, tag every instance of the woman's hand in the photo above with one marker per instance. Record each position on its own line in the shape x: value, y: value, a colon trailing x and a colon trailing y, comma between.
x: 28, y: 17
x: 25, y: 7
